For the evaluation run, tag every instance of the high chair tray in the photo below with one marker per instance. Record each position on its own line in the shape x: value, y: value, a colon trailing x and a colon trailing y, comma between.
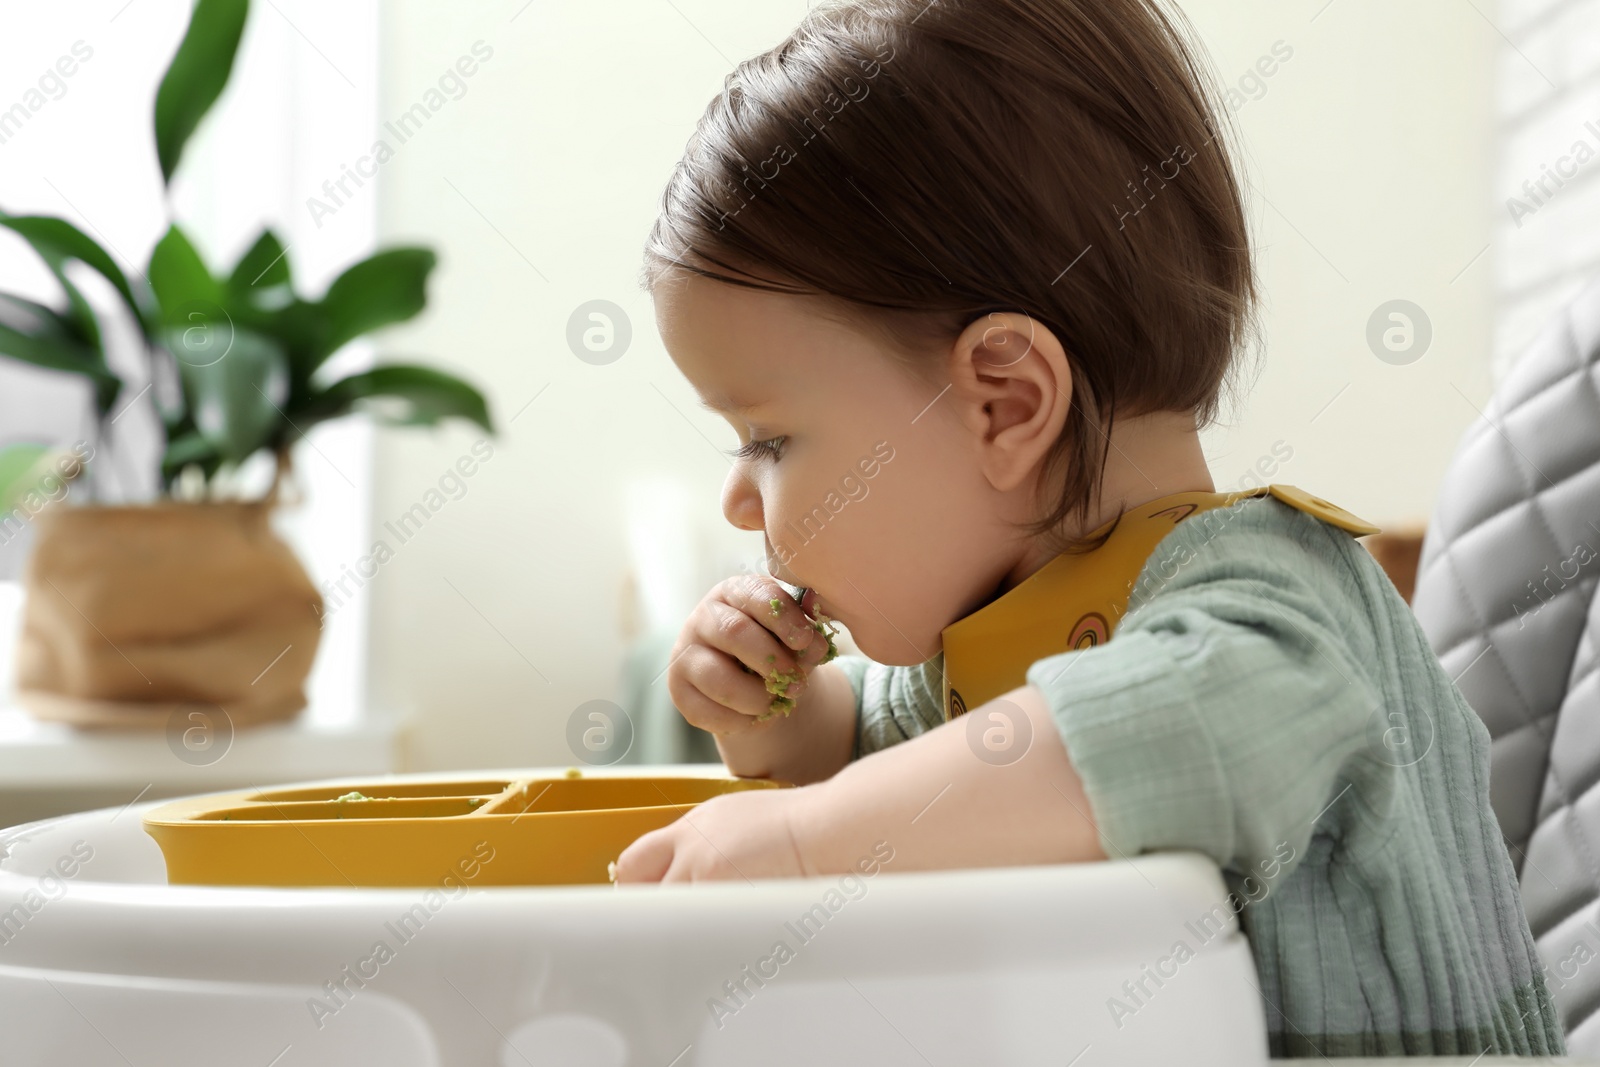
x: 545, y: 830
x: 107, y: 964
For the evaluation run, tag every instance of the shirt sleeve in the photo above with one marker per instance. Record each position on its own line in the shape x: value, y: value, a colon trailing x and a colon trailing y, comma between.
x: 1224, y: 710
x: 893, y: 703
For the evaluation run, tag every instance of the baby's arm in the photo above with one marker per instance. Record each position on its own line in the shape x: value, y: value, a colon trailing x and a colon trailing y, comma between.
x: 939, y: 805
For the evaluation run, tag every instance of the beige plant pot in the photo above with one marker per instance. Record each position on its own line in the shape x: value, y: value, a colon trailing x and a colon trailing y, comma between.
x: 135, y: 616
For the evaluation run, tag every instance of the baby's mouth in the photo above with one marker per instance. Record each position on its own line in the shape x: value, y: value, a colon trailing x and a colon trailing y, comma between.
x: 810, y: 603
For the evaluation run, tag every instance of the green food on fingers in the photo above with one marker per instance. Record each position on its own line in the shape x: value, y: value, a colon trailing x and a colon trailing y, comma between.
x: 827, y: 628
x: 778, y: 683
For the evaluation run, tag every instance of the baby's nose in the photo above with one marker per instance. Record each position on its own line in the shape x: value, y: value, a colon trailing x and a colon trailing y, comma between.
x: 741, y: 503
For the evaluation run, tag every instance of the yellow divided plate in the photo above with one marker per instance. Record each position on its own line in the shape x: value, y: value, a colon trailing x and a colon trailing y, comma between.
x: 526, y: 831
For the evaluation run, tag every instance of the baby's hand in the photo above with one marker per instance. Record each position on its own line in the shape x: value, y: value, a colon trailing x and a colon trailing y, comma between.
x: 754, y: 833
x: 743, y: 656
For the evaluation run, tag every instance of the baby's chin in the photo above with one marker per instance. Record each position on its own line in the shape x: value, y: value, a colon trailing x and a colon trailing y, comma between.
x: 892, y: 648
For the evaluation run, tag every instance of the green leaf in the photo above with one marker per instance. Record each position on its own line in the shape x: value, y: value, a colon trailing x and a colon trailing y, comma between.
x: 197, y: 75
x: 56, y: 241
x: 236, y: 398
x: 186, y: 449
x: 182, y: 283
x: 263, y: 267
x: 45, y: 341
x: 37, y: 320
x: 298, y: 327
x: 387, y: 288
x: 390, y: 287
x: 29, y: 468
x: 21, y: 467
x: 402, y: 394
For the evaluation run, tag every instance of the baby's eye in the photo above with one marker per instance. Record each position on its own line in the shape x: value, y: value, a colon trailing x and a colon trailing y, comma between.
x: 769, y: 447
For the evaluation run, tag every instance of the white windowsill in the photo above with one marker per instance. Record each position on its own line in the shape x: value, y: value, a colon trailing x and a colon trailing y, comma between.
x: 36, y: 755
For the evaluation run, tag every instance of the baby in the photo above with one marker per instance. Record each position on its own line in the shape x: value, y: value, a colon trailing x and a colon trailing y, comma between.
x: 967, y: 278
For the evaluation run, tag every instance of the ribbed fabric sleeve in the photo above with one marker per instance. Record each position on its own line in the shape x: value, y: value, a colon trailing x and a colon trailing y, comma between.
x: 1270, y: 700
x: 893, y: 703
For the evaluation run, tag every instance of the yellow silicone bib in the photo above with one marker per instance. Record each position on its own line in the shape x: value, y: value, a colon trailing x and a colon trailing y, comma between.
x: 1075, y: 601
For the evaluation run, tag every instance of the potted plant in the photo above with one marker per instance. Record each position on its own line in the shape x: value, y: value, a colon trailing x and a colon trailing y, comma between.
x: 136, y: 613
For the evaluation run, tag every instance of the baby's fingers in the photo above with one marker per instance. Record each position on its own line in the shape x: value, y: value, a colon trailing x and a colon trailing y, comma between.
x: 821, y: 649
x: 729, y: 628
x: 647, y: 859
x: 764, y: 600
x: 712, y: 692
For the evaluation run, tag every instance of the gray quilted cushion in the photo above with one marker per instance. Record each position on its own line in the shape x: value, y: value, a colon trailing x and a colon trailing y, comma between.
x: 1506, y: 594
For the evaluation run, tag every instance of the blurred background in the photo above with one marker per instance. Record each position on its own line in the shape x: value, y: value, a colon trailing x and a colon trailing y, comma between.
x: 1430, y: 160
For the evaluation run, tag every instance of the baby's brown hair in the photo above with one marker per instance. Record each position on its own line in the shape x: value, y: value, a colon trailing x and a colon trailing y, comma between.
x: 919, y: 163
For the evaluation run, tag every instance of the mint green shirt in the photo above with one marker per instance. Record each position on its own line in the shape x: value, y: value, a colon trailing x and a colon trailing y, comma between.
x: 1270, y: 700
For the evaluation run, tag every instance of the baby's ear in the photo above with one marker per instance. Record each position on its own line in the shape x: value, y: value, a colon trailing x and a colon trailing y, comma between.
x: 1012, y: 387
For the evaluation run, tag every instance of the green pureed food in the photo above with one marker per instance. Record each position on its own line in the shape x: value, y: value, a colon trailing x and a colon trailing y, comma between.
x: 778, y: 682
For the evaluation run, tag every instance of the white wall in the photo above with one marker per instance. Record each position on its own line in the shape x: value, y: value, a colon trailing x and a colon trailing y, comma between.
x: 538, y: 186
x: 1370, y: 153
x: 1371, y: 146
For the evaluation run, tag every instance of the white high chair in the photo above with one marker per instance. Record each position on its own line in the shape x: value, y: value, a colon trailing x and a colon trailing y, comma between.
x: 103, y: 963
